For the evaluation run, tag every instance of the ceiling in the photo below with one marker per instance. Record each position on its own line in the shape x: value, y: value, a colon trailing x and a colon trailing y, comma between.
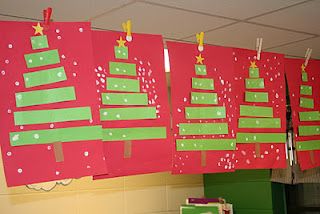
x: 286, y: 26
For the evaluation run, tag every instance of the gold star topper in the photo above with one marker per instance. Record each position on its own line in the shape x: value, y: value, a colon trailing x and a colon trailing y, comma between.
x: 199, y: 59
x: 253, y: 64
x: 121, y: 42
x: 303, y: 68
x: 38, y: 29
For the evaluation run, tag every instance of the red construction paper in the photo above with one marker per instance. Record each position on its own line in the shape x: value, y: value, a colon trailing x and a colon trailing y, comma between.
x: 293, y: 74
x: 36, y: 163
x: 146, y: 51
x: 219, y: 64
x: 271, y: 67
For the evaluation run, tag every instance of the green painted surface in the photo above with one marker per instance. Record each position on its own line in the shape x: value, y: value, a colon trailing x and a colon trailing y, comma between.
x: 203, y: 83
x: 136, y: 133
x: 52, y: 115
x: 254, y: 83
x: 134, y: 113
x: 38, y: 97
x: 306, y: 103
x: 124, y: 98
x: 254, y: 72
x: 121, y: 52
x: 308, y: 130
x: 251, y: 96
x: 39, y: 42
x: 121, y: 68
x: 304, y: 77
x: 44, y: 77
x: 259, y: 123
x: 122, y: 84
x: 256, y: 111
x: 200, y: 69
x: 42, y: 58
x: 309, y: 116
x: 46, y: 136
x: 204, y: 98
x: 261, y: 137
x: 203, y: 128
x: 192, y: 209
x: 306, y: 90
x: 205, y: 144
x: 205, y: 112
x: 308, y: 145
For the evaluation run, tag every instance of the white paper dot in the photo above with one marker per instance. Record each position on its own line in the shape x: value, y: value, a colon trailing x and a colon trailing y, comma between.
x: 81, y: 30
x: 36, y: 136
x: 3, y: 72
x: 86, y: 153
x: 63, y: 56
x: 6, y: 61
x: 59, y: 37
x: 17, y: 83
x: 9, y: 111
x: 57, y: 173
x: 19, y: 170
x: 51, y: 125
x: 57, y: 31
x: 49, y: 148
x: 75, y: 63
x: 10, y: 46
x: 74, y: 74
x: 9, y: 154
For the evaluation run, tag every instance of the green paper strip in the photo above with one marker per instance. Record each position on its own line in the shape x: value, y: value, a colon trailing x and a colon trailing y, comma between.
x: 52, y: 116
x: 121, y: 52
x: 202, y: 83
x: 200, y: 69
x: 42, y: 58
x: 308, y: 145
x: 306, y: 102
x: 122, y: 84
x: 254, y: 83
x: 205, y: 112
x: 140, y: 133
x: 254, y: 72
x: 125, y: 99
x: 203, y: 128
x: 256, y: 111
x: 261, y: 137
x: 204, y: 98
x: 256, y: 97
x: 192, y: 209
x: 44, y: 77
x: 39, y: 42
x: 121, y: 68
x: 56, y: 135
x: 304, y: 77
x: 309, y: 130
x: 259, y: 123
x: 205, y: 144
x: 306, y: 90
x: 136, y: 113
x: 46, y: 96
x: 309, y: 116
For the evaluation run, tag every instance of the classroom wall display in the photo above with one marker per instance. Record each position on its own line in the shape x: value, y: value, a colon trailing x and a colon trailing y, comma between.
x: 50, y: 129
x: 203, y: 108
x: 261, y: 98
x: 133, y: 103
x: 304, y: 90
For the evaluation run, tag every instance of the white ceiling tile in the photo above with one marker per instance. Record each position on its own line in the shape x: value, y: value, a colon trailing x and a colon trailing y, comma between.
x: 230, y: 8
x: 63, y: 10
x: 304, y: 17
x: 299, y: 48
x: 149, y: 18
x: 244, y: 35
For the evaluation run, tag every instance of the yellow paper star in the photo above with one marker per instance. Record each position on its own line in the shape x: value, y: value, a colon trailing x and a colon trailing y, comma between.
x: 303, y: 68
x: 121, y: 42
x: 253, y: 64
x: 200, y: 59
x: 38, y: 29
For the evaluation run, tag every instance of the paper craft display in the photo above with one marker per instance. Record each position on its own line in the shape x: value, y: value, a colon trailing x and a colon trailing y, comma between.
x: 203, y: 108
x: 134, y: 110
x: 50, y: 118
x: 261, y: 97
x: 304, y: 90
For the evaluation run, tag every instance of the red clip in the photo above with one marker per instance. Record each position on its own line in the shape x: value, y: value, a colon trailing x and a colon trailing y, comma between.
x: 47, y: 15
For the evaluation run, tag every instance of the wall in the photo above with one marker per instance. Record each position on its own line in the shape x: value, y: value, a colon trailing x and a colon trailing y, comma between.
x: 159, y: 193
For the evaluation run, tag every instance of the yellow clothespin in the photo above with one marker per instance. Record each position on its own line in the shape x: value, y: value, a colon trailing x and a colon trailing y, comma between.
x: 127, y: 28
x: 307, y: 56
x: 200, y: 37
x: 259, y: 47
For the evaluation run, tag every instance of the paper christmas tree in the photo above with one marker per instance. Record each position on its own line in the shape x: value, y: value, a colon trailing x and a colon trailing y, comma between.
x: 307, y: 117
x: 256, y: 115
x: 205, y: 96
x: 47, y: 96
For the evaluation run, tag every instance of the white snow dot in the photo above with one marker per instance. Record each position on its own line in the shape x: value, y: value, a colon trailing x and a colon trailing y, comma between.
x: 63, y: 56
x: 6, y: 61
x: 81, y: 30
x: 17, y: 83
x: 52, y: 125
x: 19, y: 170
x: 10, y: 46
x: 41, y: 58
x: 36, y: 136
x: 277, y: 150
x: 21, y: 127
x: 75, y: 63
x: 59, y: 37
x: 57, y: 31
x: 9, y: 153
x: 57, y: 173
x: 99, y: 68
x: 3, y: 72
x: 9, y: 111
x: 86, y: 153
x: 74, y: 74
